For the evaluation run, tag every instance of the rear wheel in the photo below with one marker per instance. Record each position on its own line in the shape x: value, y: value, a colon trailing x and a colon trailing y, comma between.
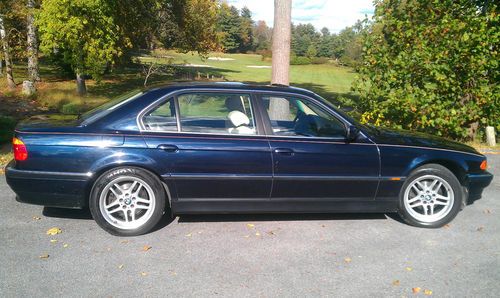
x: 127, y: 201
x: 431, y: 197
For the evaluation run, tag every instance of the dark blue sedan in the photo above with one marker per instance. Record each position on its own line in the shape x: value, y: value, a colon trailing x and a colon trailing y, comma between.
x: 236, y: 148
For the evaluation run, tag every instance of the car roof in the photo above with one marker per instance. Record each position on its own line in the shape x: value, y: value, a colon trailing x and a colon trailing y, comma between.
x: 228, y: 85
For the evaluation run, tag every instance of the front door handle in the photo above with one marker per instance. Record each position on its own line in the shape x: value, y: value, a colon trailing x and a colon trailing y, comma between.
x: 284, y: 151
x: 168, y: 148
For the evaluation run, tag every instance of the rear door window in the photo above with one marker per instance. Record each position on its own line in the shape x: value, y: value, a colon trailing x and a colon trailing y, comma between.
x: 216, y: 113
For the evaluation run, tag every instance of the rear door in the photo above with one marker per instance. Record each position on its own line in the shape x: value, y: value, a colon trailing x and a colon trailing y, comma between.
x: 312, y: 159
x: 210, y: 146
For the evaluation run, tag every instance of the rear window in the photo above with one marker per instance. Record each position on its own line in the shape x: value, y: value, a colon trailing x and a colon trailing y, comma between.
x: 108, y: 107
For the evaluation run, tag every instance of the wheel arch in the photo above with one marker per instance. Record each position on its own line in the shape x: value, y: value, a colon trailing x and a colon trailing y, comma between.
x: 96, y: 173
x: 454, y: 167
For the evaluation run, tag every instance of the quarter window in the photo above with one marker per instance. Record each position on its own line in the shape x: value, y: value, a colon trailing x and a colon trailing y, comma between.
x: 162, y: 118
x: 297, y: 117
x: 220, y: 113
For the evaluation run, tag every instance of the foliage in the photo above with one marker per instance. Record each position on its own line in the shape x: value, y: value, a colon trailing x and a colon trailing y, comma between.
x: 432, y: 66
x: 7, y: 125
x: 84, y: 32
x: 299, y: 60
x: 236, y: 29
x: 14, y: 17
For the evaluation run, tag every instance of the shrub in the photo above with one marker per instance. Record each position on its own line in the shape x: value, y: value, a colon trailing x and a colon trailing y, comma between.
x: 320, y: 60
x: 73, y: 108
x: 299, y: 60
x: 7, y: 125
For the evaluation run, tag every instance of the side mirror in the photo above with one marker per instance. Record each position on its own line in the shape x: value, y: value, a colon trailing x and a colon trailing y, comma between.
x: 352, y: 133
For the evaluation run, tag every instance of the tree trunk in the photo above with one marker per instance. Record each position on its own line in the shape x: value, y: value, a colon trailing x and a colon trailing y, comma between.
x: 1, y: 67
x: 81, y: 88
x: 6, y: 56
x: 32, y: 44
x: 280, y: 109
x: 281, y: 41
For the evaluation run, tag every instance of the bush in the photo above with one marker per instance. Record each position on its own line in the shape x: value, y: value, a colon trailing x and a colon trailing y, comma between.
x: 319, y: 60
x: 7, y: 125
x: 73, y: 108
x: 299, y: 60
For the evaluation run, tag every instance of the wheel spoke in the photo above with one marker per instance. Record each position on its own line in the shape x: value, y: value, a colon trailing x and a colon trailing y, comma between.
x: 436, y: 189
x: 413, y: 199
x: 132, y: 214
x: 114, y: 203
x: 113, y: 210
x: 131, y: 188
x: 425, y: 209
x: 443, y: 198
x: 125, y: 215
x: 142, y: 207
x: 419, y: 203
x: 141, y: 200
x: 417, y: 183
x: 138, y: 190
x: 431, y: 209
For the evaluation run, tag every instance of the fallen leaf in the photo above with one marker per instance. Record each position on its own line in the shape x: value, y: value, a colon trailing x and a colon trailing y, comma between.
x: 428, y: 292
x: 172, y: 272
x: 347, y: 260
x: 247, y: 236
x: 189, y: 235
x: 54, y: 231
x: 53, y: 240
x: 271, y: 233
x: 124, y: 241
x: 323, y: 226
x: 487, y: 211
x: 480, y: 229
x: 447, y: 226
x: 65, y: 245
x: 144, y: 273
x: 120, y: 266
x: 146, y: 248
x: 257, y: 234
x: 416, y: 290
x: 396, y: 282
x: 36, y: 218
x: 251, y: 226
x: 44, y: 256
x: 409, y: 269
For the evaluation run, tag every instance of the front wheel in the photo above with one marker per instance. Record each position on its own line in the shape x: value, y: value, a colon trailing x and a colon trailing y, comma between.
x: 127, y: 201
x: 431, y: 197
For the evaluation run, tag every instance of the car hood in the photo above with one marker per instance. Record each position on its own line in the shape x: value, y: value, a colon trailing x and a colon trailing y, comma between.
x: 382, y: 135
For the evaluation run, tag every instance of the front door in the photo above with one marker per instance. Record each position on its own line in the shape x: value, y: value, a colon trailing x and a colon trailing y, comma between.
x: 312, y: 159
x: 211, y: 147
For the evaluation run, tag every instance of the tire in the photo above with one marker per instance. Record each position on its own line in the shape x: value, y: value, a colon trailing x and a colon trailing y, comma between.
x: 430, y: 197
x: 127, y: 201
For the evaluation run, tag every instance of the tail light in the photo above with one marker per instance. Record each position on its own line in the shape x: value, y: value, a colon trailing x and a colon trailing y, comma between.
x: 484, y: 165
x: 20, y: 151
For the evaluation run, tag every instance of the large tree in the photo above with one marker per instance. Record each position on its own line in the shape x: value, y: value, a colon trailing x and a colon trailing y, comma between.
x: 84, y: 32
x: 433, y: 66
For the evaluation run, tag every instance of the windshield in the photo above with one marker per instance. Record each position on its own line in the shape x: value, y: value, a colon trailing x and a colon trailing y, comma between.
x: 108, y: 106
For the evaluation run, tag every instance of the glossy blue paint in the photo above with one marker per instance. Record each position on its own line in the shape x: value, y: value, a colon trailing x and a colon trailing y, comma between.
x: 233, y: 173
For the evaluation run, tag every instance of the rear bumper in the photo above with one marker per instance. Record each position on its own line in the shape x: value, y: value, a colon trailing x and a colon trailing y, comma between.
x: 475, y: 184
x: 52, y: 189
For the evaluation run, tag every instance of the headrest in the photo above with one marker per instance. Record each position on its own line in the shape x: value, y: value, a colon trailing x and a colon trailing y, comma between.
x: 237, y: 118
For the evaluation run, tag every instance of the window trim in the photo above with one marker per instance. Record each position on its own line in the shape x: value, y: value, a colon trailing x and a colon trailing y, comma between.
x: 174, y: 95
x: 262, y: 126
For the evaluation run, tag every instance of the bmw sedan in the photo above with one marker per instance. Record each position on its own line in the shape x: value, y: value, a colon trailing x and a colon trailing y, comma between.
x: 237, y: 148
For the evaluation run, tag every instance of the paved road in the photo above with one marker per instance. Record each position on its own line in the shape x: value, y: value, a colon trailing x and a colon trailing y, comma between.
x: 285, y: 255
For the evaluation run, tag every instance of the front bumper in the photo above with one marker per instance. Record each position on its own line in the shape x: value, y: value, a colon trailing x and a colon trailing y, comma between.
x: 52, y: 189
x: 475, y: 184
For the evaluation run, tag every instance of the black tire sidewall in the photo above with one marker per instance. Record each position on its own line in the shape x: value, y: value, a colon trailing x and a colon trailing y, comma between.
x: 444, y: 173
x: 142, y: 174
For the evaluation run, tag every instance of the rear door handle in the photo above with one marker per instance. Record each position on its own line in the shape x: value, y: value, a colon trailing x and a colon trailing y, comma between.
x: 284, y: 151
x: 168, y: 148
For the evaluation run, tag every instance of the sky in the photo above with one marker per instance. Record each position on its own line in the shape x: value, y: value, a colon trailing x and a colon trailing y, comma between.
x: 332, y: 14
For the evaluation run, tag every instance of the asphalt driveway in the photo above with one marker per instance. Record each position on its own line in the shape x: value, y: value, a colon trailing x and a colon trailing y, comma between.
x: 252, y: 256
